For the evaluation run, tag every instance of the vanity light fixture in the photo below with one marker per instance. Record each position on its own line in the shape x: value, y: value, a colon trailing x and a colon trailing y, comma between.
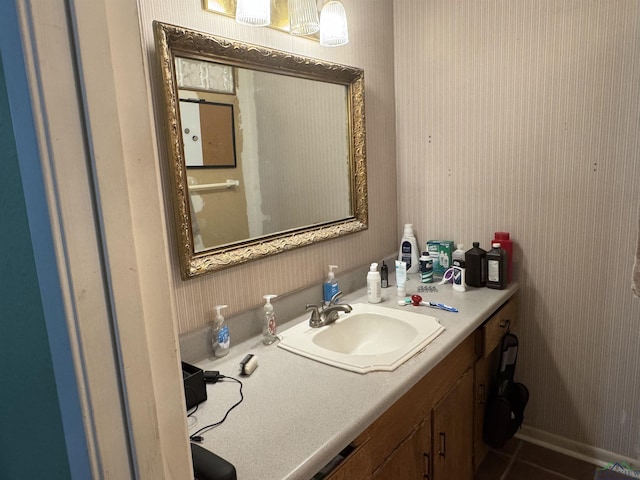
x: 303, y: 17
x: 296, y: 17
x: 256, y: 13
x: 333, y: 25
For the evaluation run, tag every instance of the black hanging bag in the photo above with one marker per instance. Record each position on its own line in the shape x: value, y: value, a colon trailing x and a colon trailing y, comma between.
x: 505, y: 407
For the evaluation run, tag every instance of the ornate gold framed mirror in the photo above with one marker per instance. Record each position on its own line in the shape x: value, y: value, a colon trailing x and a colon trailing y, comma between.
x: 266, y: 148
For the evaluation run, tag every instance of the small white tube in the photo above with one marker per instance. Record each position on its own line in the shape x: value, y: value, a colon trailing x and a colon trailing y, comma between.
x: 401, y: 277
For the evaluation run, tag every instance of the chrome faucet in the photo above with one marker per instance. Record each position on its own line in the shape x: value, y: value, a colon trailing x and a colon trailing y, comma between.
x: 321, y: 316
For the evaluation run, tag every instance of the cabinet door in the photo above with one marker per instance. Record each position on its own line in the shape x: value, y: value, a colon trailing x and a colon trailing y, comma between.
x: 356, y: 465
x: 485, y: 379
x: 452, y: 419
x: 411, y: 460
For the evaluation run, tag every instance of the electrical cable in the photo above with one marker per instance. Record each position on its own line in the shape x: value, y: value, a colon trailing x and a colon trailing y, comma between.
x: 191, y: 390
x: 196, y: 437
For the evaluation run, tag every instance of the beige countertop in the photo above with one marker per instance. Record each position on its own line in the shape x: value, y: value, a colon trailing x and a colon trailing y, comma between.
x: 297, y: 414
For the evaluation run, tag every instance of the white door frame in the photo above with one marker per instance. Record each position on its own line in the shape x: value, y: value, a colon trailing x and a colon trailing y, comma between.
x: 91, y: 110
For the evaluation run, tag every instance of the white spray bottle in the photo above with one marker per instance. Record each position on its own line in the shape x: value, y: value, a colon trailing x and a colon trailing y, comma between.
x: 221, y: 340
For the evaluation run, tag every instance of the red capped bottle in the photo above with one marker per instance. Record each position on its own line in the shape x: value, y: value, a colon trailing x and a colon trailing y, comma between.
x: 503, y: 238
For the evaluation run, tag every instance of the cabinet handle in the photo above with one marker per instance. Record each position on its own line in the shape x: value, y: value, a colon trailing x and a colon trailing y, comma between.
x: 506, y: 324
x: 443, y: 445
x: 425, y: 475
x: 482, y: 394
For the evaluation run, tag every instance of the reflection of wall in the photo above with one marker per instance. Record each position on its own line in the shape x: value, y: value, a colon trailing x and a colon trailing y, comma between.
x: 222, y: 218
x: 300, y: 179
x: 249, y: 151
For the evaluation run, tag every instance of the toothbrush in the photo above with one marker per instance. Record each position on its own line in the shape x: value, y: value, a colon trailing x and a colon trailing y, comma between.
x: 441, y: 306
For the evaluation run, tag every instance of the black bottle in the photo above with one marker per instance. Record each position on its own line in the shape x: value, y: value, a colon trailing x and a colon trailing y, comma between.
x: 497, y: 267
x: 476, y: 266
x: 384, y: 275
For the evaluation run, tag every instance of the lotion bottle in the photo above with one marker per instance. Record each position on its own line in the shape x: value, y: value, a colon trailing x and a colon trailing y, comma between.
x: 401, y: 277
x: 374, y: 284
x: 268, y: 321
x: 458, y: 262
x: 330, y: 287
x: 221, y: 340
x: 409, y: 249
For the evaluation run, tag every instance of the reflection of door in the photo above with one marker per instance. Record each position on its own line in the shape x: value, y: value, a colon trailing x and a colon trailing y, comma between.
x: 218, y: 138
x: 190, y: 120
x: 208, y: 133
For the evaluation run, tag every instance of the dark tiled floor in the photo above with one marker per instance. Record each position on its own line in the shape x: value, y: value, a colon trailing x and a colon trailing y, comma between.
x: 520, y: 460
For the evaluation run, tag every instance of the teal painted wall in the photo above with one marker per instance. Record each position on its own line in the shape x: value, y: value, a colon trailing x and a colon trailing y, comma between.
x: 32, y: 441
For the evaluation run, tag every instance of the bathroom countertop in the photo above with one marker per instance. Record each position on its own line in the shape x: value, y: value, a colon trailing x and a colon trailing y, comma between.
x: 297, y: 414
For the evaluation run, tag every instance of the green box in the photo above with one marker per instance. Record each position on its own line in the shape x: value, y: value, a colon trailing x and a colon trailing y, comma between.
x: 445, y: 253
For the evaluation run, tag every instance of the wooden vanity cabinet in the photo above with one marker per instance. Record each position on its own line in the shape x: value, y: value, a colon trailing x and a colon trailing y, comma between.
x: 411, y: 459
x: 357, y: 465
x: 434, y: 431
x: 453, y: 432
x: 488, y: 338
x: 399, y: 444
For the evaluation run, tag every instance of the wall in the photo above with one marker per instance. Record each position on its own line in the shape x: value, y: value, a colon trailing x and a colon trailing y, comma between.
x: 242, y: 287
x: 30, y: 409
x: 522, y: 116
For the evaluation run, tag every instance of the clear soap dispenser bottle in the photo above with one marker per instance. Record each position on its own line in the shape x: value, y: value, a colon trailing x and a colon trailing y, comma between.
x: 269, y: 321
x: 221, y: 339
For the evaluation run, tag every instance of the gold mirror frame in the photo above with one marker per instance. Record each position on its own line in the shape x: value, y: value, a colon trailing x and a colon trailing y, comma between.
x: 172, y: 41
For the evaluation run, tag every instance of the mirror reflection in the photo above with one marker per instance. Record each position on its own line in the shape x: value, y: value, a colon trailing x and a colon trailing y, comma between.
x: 266, y: 148
x: 236, y: 122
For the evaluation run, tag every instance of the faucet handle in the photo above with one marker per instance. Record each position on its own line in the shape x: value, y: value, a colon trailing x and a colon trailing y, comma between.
x: 315, y: 319
x: 335, y: 298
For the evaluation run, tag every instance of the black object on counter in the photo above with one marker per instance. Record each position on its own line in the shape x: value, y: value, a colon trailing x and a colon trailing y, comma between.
x: 195, y: 391
x: 384, y: 275
x: 476, y: 266
x: 209, y: 466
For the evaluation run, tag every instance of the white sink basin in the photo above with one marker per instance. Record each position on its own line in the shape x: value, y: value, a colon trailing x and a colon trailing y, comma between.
x: 369, y: 338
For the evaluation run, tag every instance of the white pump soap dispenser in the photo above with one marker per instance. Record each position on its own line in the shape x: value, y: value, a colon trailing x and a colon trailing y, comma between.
x: 221, y: 339
x: 269, y: 321
x: 374, y: 284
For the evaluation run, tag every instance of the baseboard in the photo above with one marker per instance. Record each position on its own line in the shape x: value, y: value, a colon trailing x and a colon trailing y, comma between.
x: 581, y: 451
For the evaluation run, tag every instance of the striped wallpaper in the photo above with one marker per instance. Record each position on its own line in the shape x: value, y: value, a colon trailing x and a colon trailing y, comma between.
x: 523, y: 116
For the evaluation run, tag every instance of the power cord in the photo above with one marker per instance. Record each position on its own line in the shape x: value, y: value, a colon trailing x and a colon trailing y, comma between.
x: 214, y: 377
x: 193, y: 392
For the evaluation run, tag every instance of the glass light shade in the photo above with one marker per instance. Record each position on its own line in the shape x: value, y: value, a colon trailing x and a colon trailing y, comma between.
x: 256, y: 13
x: 333, y: 25
x: 303, y: 17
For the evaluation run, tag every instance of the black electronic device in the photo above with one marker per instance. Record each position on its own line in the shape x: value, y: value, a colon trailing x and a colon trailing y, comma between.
x: 195, y: 391
x: 209, y: 466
